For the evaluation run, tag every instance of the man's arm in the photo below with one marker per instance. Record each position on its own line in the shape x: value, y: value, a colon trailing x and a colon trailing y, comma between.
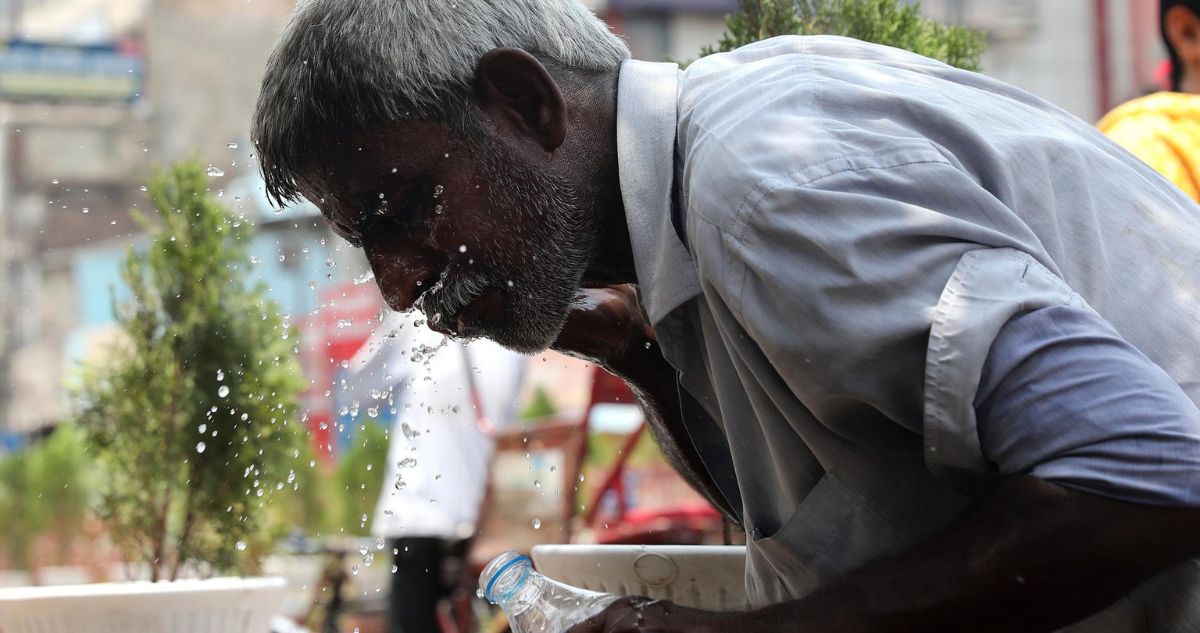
x: 1034, y: 555
x: 606, y: 326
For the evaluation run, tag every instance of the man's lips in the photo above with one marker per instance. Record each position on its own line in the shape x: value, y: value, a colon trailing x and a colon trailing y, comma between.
x: 488, y: 307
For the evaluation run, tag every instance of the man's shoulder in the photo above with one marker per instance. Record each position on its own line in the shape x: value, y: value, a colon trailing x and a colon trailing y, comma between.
x: 774, y: 111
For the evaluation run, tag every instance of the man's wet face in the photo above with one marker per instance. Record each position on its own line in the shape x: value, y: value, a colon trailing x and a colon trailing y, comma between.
x: 484, y: 243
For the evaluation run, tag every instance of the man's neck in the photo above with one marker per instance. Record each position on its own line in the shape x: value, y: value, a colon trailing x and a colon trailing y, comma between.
x: 613, y: 262
x: 1190, y: 83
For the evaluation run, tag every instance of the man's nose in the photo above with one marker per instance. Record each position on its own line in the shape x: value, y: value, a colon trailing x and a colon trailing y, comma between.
x: 403, y: 272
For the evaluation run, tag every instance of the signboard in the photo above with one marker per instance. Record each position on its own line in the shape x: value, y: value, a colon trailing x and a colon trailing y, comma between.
x: 344, y: 321
x: 38, y: 71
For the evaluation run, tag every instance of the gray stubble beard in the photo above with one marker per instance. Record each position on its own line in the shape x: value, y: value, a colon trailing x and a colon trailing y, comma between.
x: 560, y: 238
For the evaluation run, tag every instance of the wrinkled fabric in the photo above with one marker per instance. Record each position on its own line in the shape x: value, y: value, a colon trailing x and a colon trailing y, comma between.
x: 836, y: 197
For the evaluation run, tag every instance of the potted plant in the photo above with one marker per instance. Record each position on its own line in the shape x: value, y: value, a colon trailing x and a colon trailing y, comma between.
x: 192, y: 419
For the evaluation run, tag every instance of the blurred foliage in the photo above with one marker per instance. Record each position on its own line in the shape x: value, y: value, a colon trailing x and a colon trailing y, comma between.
x: 540, y: 405
x: 360, y: 477
x: 889, y: 22
x: 313, y: 506
x: 49, y: 486
x: 193, y: 416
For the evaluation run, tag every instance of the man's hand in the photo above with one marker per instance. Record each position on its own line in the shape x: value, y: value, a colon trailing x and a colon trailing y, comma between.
x: 1031, y: 557
x: 643, y: 615
x: 606, y: 326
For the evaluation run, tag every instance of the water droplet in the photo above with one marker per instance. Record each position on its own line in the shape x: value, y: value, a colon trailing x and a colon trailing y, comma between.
x: 438, y: 209
x: 241, y: 546
x: 537, y: 524
x: 462, y: 248
x: 232, y: 145
x: 200, y: 446
x: 214, y: 172
x: 407, y: 462
x: 354, y: 569
x: 437, y: 191
x: 223, y: 391
x: 85, y: 209
x: 364, y: 278
x: 255, y: 260
x: 144, y: 188
x: 220, y: 375
x: 202, y: 428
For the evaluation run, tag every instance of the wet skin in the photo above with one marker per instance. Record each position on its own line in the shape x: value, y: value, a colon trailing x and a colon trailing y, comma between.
x: 386, y: 201
x: 425, y: 202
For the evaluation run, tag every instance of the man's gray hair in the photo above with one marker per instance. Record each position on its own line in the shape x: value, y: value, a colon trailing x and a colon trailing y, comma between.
x: 348, y: 65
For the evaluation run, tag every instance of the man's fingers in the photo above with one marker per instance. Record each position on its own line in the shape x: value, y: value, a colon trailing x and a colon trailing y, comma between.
x: 594, y: 624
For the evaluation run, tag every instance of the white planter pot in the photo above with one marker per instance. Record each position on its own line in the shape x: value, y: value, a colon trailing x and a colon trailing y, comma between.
x: 220, y: 605
x: 702, y: 577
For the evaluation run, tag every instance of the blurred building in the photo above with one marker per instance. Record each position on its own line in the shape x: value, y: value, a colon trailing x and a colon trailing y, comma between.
x: 94, y: 94
x: 1086, y: 56
x: 666, y: 29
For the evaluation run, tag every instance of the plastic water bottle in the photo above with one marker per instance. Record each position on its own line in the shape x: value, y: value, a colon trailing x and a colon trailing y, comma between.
x: 533, y: 602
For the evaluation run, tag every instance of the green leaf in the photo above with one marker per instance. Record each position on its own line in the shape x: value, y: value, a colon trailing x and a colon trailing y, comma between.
x: 194, y: 325
x: 889, y: 22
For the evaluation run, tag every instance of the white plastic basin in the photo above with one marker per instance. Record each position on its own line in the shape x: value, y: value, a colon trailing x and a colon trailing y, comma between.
x: 221, y: 605
x: 703, y: 577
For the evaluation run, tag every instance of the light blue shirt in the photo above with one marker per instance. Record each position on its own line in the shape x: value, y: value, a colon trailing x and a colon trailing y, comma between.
x: 874, y: 241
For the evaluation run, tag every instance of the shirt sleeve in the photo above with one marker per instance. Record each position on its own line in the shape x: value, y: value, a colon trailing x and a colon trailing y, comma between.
x: 835, y: 275
x: 1064, y: 398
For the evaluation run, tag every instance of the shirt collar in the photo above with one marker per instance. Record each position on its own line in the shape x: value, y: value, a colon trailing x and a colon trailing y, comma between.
x: 647, y: 96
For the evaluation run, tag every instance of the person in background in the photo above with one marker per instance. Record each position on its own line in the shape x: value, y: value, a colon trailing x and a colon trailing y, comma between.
x: 448, y: 395
x: 1163, y: 129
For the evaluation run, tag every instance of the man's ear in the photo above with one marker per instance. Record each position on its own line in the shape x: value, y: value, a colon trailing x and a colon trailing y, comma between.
x: 1182, y: 28
x: 515, y: 89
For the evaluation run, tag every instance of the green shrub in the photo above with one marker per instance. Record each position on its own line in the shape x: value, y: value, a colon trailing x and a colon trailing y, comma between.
x: 360, y: 476
x: 192, y: 416
x: 48, y: 486
x: 889, y: 22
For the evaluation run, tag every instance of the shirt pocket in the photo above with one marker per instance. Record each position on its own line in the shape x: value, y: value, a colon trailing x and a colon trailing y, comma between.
x: 833, y: 531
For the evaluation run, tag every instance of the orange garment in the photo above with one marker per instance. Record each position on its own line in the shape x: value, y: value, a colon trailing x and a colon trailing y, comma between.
x: 1162, y: 129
